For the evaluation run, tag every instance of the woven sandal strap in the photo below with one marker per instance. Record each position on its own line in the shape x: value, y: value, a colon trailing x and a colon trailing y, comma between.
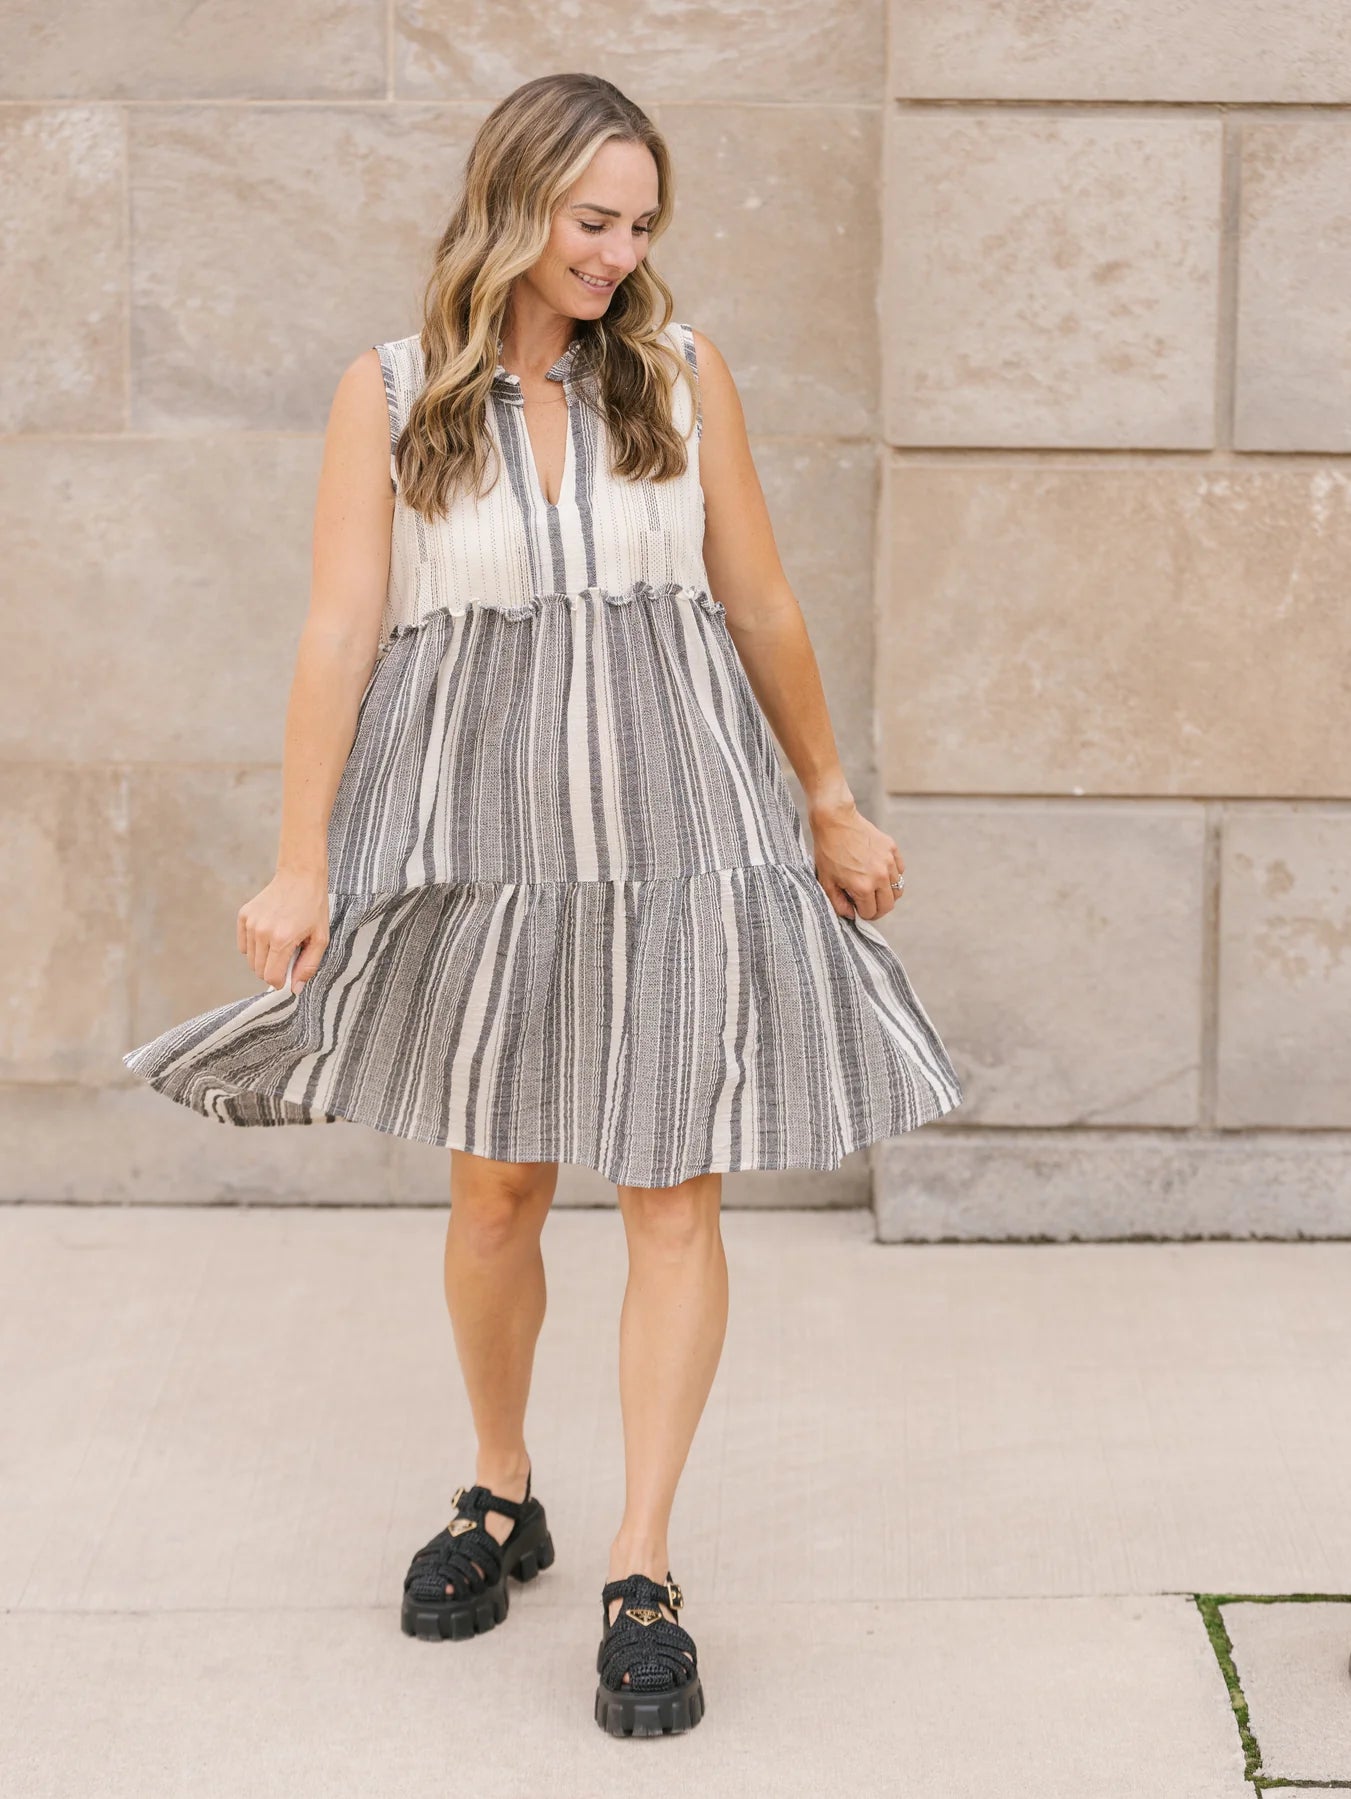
x: 475, y: 1546
x: 629, y: 1645
x: 475, y: 1501
x: 454, y: 1558
x: 641, y: 1589
x: 659, y: 1630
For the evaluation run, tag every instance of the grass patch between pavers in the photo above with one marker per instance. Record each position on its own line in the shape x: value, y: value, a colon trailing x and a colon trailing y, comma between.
x: 1208, y: 1604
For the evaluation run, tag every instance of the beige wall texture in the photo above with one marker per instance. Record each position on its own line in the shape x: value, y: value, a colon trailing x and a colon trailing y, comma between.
x: 1041, y: 315
x: 1114, y: 680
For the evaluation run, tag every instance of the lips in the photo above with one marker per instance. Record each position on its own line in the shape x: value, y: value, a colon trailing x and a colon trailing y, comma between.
x: 601, y: 287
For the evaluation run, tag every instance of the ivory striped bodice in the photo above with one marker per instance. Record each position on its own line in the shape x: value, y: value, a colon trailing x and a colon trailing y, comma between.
x: 509, y: 548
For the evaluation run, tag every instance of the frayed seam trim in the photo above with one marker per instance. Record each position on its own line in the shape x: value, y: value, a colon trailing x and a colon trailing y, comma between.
x: 515, y: 613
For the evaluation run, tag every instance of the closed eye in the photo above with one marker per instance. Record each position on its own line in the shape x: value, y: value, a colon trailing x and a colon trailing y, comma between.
x: 645, y: 229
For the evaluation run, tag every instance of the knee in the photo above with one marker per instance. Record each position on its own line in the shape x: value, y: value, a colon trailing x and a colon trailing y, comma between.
x: 490, y: 1218
x: 672, y: 1221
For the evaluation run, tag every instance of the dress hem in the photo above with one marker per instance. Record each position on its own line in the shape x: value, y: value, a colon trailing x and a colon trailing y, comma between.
x: 939, y: 1108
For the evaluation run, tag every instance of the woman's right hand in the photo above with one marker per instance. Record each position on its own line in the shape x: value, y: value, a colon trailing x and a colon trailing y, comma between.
x: 292, y: 909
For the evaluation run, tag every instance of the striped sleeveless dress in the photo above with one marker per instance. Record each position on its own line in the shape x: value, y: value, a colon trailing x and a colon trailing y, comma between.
x: 572, y: 912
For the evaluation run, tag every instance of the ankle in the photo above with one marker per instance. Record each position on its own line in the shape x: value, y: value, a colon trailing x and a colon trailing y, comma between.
x: 638, y: 1554
x: 504, y: 1474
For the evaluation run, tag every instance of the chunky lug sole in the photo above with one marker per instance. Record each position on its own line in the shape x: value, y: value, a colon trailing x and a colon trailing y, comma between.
x: 473, y: 1613
x: 630, y: 1714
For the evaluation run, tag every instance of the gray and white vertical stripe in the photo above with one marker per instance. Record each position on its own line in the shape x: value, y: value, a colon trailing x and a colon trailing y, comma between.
x: 573, y: 916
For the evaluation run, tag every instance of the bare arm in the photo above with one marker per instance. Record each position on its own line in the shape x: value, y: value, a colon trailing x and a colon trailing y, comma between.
x: 353, y: 513
x: 855, y: 862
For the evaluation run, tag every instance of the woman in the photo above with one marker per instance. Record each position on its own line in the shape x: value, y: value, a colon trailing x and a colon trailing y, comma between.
x: 542, y: 893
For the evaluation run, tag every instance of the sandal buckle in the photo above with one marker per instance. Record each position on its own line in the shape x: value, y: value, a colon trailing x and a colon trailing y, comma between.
x: 457, y: 1496
x: 674, y: 1593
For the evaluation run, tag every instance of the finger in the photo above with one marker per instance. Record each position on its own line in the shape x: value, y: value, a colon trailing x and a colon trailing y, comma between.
x: 897, y: 874
x: 868, y: 904
x: 837, y: 896
x: 308, y: 960
x: 275, y: 963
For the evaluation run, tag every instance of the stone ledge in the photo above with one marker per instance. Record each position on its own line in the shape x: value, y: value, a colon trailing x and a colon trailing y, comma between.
x: 945, y: 1184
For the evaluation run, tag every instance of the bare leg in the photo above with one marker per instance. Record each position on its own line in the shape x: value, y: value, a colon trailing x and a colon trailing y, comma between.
x: 671, y: 1330
x: 495, y: 1293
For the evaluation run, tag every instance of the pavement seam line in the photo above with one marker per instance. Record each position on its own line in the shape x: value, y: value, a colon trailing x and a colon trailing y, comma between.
x: 1208, y: 1604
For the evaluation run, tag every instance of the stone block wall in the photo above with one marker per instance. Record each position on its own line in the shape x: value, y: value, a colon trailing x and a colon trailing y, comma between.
x: 207, y: 214
x: 1114, y: 729
x: 1040, y: 319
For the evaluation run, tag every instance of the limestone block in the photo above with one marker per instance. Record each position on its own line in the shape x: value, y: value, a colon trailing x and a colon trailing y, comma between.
x: 305, y: 50
x: 1051, y: 280
x: 822, y: 503
x: 203, y: 841
x: 271, y: 246
x: 1148, y: 628
x: 800, y: 51
x: 1285, y: 967
x: 64, y: 895
x: 957, y: 1185
x: 164, y: 583
x: 1293, y: 376
x: 63, y: 272
x: 1100, y: 50
x: 1291, y: 1660
x: 774, y: 256
x: 1057, y: 949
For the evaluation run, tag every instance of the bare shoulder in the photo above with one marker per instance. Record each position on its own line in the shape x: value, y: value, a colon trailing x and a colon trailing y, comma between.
x: 357, y: 437
x: 724, y: 424
x: 738, y: 548
x: 714, y: 374
x: 360, y: 393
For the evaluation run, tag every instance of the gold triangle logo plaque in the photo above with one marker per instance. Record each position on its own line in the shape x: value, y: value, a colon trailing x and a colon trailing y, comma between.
x: 460, y: 1526
x: 642, y: 1614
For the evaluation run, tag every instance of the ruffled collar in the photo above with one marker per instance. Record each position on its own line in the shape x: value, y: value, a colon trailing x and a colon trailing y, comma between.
x: 508, y: 387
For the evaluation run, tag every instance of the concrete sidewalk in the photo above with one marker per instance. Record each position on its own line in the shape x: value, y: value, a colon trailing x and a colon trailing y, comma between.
x: 940, y: 1533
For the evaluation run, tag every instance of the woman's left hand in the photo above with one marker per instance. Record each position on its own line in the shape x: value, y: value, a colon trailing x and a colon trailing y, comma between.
x: 855, y: 862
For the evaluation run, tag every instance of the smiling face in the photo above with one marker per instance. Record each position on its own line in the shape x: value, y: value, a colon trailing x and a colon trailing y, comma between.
x: 600, y: 231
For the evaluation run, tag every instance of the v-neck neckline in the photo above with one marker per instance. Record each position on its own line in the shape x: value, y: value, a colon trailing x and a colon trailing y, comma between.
x: 552, y: 505
x: 508, y: 387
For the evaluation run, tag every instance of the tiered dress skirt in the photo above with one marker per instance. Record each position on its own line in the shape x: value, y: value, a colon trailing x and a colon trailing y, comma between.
x: 573, y: 918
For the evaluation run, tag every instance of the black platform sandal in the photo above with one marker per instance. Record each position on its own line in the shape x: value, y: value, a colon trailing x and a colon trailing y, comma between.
x: 664, y: 1693
x: 480, y: 1598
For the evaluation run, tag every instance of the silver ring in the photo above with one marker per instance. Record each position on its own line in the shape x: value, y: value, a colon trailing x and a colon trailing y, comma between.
x: 897, y: 885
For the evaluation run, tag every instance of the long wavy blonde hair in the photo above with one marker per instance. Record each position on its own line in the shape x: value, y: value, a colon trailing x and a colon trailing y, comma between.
x: 527, y: 154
